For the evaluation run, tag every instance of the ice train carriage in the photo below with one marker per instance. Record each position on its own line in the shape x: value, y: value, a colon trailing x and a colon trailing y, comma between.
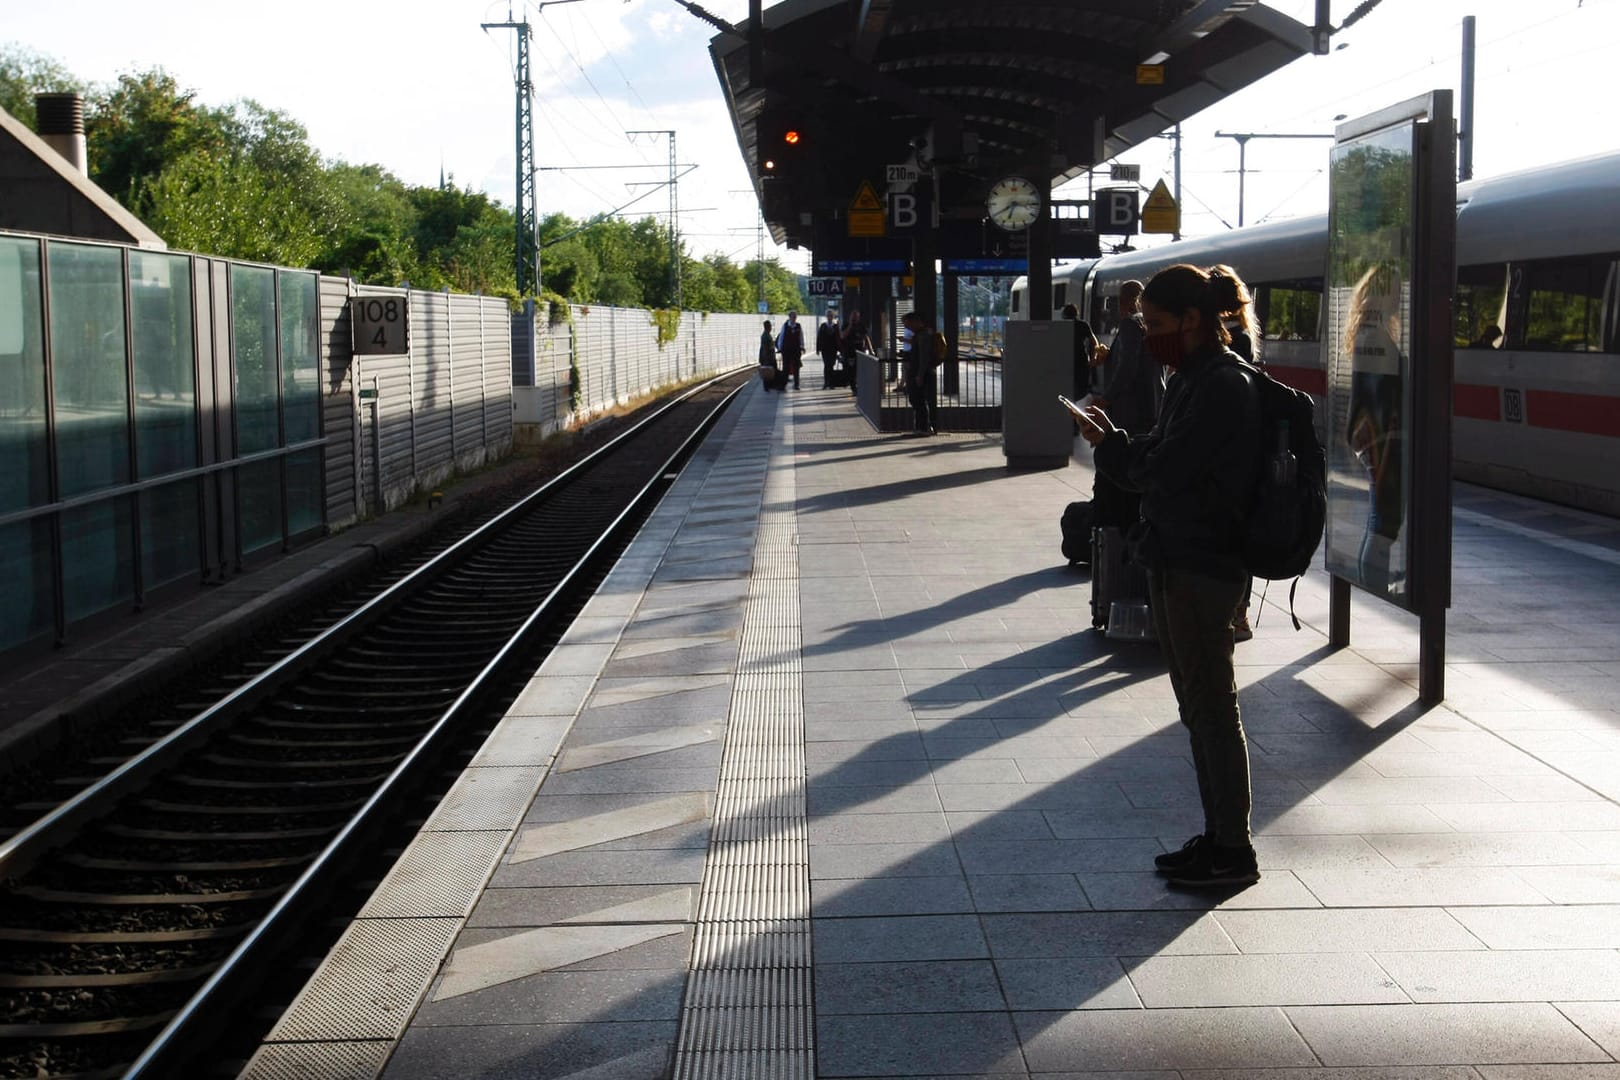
x: 1538, y: 256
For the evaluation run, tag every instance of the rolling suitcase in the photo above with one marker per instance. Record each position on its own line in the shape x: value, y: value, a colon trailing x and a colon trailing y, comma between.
x: 1119, y: 590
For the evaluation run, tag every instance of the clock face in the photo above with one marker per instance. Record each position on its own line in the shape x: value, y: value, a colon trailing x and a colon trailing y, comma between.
x: 1013, y: 203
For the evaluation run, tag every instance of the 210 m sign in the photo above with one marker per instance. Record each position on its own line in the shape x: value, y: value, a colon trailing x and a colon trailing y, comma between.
x: 380, y: 324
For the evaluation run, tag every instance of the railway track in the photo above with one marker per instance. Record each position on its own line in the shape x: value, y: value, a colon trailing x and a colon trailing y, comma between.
x: 133, y: 912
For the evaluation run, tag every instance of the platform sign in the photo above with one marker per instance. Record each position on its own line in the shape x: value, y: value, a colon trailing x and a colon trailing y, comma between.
x: 1160, y: 214
x: 1149, y: 74
x: 380, y: 325
x: 827, y: 286
x: 866, y: 212
x: 1388, y: 358
x: 901, y: 174
x: 1123, y: 173
x: 1115, y: 211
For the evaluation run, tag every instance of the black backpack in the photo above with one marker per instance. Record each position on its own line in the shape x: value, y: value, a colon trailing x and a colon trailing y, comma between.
x: 1284, y: 525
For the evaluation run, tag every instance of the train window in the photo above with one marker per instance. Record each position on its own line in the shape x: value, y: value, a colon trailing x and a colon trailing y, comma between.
x: 1481, y: 306
x: 1564, y: 304
x: 1015, y: 295
x: 1288, y: 310
x: 1060, y: 296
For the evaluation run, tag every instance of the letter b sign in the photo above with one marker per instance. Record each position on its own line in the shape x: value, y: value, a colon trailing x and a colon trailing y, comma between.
x: 903, y: 211
x: 1116, y: 211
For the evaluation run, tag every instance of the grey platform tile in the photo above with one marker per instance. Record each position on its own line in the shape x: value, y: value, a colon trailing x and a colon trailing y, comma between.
x: 636, y: 659
x: 676, y: 866
x: 1249, y: 1039
x: 1145, y: 890
x: 554, y: 808
x: 1064, y: 983
x: 1171, y: 827
x: 910, y: 799
x: 488, y: 958
x: 725, y: 620
x: 587, y: 749
x: 564, y: 997
x: 1301, y: 852
x: 1280, y: 979
x: 1054, y: 856
x: 1594, y: 926
x: 1575, y: 884
x: 1105, y: 933
x: 523, y: 740
x: 486, y: 798
x: 545, y: 906
x: 883, y: 860
x: 1434, y: 887
x: 1330, y: 930
x: 553, y: 695
x: 843, y: 897
x: 902, y: 746
x: 1483, y: 849
x: 661, y: 694
x: 1442, y: 1034
x: 907, y: 987
x: 915, y: 1045
x: 1027, y: 892
x: 854, y: 828
x: 857, y: 730
x: 1600, y: 1020
x: 718, y: 568
x: 1064, y: 795
x: 913, y: 937
x: 576, y: 660
x: 540, y: 840
x: 631, y: 1051
x: 1376, y: 1072
x: 1550, y: 1072
x: 1349, y: 820
x: 1529, y: 817
x: 611, y: 779
x: 829, y: 774
x: 999, y: 825
x: 685, y: 597
x: 1556, y: 975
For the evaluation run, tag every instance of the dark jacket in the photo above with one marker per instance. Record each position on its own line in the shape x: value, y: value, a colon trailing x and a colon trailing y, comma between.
x: 767, y: 349
x: 1196, y: 468
x: 827, y: 339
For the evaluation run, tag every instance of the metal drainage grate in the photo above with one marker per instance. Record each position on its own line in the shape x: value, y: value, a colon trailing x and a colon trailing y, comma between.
x: 749, y: 1010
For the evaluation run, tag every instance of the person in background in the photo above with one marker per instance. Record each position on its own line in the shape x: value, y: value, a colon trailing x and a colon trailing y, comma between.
x: 767, y: 360
x: 1085, y: 349
x: 1245, y: 334
x: 854, y: 342
x: 827, y: 346
x: 1195, y: 469
x: 920, y: 372
x: 790, y: 343
x: 1131, y: 391
x: 1487, y: 338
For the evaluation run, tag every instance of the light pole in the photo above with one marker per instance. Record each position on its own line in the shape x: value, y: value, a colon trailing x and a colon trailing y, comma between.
x: 1243, y: 138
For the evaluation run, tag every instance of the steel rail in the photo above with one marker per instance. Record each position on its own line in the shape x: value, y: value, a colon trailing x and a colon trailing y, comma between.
x: 265, y: 933
x: 22, y: 849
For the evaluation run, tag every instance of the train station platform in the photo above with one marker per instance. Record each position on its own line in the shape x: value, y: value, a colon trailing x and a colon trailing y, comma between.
x: 832, y: 778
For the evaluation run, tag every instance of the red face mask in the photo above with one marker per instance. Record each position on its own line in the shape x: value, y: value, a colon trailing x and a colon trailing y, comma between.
x: 1168, y: 349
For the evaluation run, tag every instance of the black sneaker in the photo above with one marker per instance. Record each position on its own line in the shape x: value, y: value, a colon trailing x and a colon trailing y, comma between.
x: 1183, y: 856
x: 1219, y: 868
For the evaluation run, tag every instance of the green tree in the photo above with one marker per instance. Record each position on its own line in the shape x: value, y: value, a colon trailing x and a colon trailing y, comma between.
x: 24, y: 73
x: 142, y: 124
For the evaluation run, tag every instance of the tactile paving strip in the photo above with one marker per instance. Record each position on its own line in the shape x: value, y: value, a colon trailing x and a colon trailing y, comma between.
x: 440, y: 874
x: 748, y: 1010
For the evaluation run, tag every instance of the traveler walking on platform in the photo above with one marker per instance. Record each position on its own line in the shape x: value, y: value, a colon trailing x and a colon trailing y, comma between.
x: 1196, y: 472
x: 790, y: 342
x: 827, y: 346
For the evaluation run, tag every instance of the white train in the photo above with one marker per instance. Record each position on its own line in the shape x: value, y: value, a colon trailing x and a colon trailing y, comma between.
x: 1538, y: 258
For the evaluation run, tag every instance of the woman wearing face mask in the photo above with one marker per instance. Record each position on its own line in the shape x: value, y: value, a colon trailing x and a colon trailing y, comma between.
x: 1196, y: 471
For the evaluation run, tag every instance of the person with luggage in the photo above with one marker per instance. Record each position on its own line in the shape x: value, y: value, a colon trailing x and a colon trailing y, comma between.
x: 772, y: 376
x: 827, y: 346
x: 920, y: 372
x: 790, y: 343
x: 1196, y: 472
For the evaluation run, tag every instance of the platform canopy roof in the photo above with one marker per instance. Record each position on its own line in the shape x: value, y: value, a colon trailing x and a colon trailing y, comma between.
x: 985, y: 87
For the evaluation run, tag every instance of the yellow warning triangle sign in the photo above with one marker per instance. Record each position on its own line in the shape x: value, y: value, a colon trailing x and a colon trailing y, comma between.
x: 1160, y: 198
x: 866, y: 198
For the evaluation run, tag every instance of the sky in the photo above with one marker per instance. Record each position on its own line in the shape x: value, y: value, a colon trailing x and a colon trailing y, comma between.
x: 416, y: 85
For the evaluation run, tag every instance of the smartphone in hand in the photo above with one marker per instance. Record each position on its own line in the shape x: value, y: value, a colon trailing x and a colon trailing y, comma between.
x: 1078, y: 413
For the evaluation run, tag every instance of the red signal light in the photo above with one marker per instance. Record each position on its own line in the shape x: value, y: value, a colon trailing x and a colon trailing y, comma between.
x: 791, y: 138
